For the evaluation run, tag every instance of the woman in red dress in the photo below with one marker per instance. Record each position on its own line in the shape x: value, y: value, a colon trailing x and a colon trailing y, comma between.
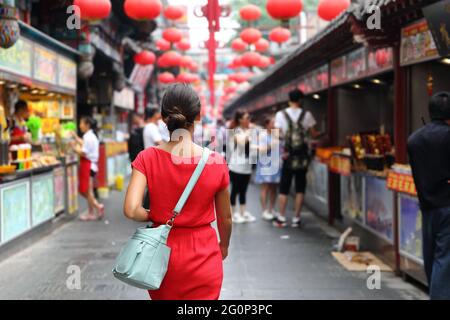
x: 195, y: 267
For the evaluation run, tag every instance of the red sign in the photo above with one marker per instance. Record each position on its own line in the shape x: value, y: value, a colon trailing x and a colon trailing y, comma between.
x: 401, y: 182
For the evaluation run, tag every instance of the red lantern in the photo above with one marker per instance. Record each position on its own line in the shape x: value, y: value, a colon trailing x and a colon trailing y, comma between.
x: 172, y: 35
x: 280, y: 35
x: 183, y: 45
x: 264, y: 62
x: 238, y: 45
x: 272, y: 60
x: 142, y: 9
x: 284, y: 9
x: 166, y: 77
x: 93, y: 10
x: 381, y: 57
x: 262, y: 45
x: 186, y: 61
x: 251, y: 59
x: 329, y: 9
x: 171, y: 59
x: 250, y: 35
x: 238, y: 77
x: 162, y: 44
x: 145, y: 57
x: 187, y: 77
x: 193, y: 66
x: 237, y: 62
x: 173, y: 12
x: 250, y: 12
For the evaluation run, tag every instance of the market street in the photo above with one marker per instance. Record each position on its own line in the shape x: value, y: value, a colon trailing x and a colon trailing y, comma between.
x: 264, y: 263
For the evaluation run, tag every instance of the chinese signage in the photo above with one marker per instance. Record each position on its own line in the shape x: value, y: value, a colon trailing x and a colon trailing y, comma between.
x: 33, y: 61
x: 17, y: 59
x: 45, y: 65
x: 67, y: 73
x: 401, y: 182
x: 417, y: 44
x: 140, y: 76
x: 359, y: 64
x: 438, y: 17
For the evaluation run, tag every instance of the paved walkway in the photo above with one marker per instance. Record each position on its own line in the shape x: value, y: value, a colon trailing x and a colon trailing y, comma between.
x: 264, y: 263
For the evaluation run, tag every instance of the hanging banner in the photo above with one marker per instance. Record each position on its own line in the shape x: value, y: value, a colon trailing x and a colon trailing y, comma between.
x: 140, y: 76
x: 417, y: 44
x: 438, y: 17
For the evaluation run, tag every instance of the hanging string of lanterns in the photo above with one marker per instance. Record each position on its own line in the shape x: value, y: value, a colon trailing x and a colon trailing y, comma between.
x: 172, y: 12
x: 280, y: 35
x: 250, y: 13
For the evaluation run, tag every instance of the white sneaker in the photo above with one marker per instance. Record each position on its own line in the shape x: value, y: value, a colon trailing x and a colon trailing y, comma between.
x: 248, y: 217
x: 279, y: 222
x: 266, y: 215
x: 238, y: 218
x: 296, y: 222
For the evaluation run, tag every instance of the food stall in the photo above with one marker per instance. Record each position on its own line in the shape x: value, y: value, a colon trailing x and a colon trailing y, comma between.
x: 38, y: 178
x: 114, y: 161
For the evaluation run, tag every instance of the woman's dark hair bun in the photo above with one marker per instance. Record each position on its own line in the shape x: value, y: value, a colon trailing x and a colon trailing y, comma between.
x: 176, y: 121
x: 180, y: 106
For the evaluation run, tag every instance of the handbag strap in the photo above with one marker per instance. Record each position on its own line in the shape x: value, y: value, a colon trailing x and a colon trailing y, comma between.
x: 190, y: 186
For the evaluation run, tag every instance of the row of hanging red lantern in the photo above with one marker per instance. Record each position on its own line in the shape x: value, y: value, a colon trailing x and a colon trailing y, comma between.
x: 150, y: 9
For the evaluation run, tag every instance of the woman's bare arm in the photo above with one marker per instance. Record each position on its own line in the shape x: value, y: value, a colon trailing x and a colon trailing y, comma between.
x: 133, y: 199
x: 223, y: 211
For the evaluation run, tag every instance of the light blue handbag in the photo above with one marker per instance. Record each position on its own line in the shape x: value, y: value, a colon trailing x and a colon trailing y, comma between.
x: 143, y: 260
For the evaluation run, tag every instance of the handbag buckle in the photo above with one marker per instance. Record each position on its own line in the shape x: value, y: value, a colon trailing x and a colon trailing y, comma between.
x: 171, y: 220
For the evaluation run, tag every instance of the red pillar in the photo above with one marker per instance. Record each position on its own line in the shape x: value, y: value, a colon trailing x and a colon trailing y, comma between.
x: 400, y: 109
x: 334, y: 197
x: 400, y: 135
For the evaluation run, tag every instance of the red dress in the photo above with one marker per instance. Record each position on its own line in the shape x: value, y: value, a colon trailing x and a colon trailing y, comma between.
x: 195, y: 265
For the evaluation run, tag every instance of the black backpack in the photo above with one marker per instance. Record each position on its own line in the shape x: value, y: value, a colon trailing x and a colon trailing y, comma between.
x: 295, y: 143
x: 136, y: 143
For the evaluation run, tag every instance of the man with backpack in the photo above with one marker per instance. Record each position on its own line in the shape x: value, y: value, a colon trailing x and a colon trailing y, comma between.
x: 296, y: 126
x: 136, y: 140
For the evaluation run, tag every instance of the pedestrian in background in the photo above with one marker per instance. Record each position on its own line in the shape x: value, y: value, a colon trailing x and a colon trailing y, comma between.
x: 152, y: 134
x: 296, y: 126
x: 268, y: 167
x: 88, y: 149
x: 136, y: 140
x: 195, y: 270
x: 240, y: 166
x: 429, y: 153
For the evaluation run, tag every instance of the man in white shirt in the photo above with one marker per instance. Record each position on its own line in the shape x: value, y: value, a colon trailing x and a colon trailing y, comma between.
x: 152, y: 134
x: 303, y: 121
